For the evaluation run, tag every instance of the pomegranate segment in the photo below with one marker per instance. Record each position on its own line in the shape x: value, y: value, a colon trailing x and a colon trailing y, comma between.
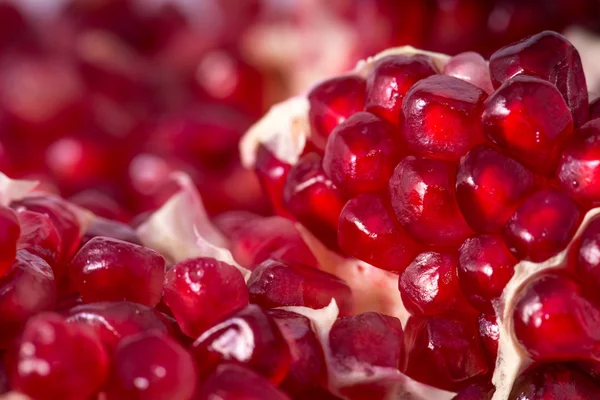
x: 542, y: 226
x: 369, y: 231
x: 490, y: 187
x: 441, y: 117
x: 554, y: 381
x: 27, y: 288
x: 40, y: 237
x: 429, y: 286
x: 56, y: 360
x: 332, y: 101
x: 423, y: 198
x: 202, y: 291
x: 361, y: 154
x: 313, y: 199
x: 547, y: 55
x: 528, y: 118
x: 444, y: 352
x: 369, y: 339
x: 248, y: 337
x: 390, y: 79
x: 554, y: 321
x: 276, y: 284
x: 232, y: 382
x: 9, y: 235
x: 485, y: 266
x: 107, y: 269
x: 113, y: 321
x: 151, y: 366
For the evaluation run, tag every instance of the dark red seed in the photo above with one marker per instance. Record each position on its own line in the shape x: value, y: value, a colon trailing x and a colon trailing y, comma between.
x: 556, y: 382
x: 476, y: 392
x: 40, y: 237
x: 9, y: 235
x: 489, y: 334
x: 112, y: 229
x: 272, y: 174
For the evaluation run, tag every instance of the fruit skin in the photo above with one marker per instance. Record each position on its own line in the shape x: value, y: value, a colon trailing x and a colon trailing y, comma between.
x: 108, y: 269
x: 556, y: 382
x: 56, y: 360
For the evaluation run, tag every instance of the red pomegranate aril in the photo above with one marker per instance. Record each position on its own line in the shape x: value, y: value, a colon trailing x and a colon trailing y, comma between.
x: 361, y: 154
x: 547, y: 55
x: 476, y: 392
x: 107, y: 269
x: 489, y: 188
x: 554, y: 321
x: 9, y: 235
x: 390, y: 79
x: 277, y: 284
x: 441, y: 117
x: 308, y: 371
x: 312, y: 198
x: 369, y: 231
x: 579, y: 170
x: 485, y: 265
x: 272, y: 174
x: 588, y: 262
x: 489, y: 333
x: 27, y: 288
x: 429, y: 286
x: 116, y: 320
x: 110, y: 228
x: 470, y: 67
x: 371, y: 339
x: 202, y: 291
x: 56, y: 360
x: 232, y: 382
x: 331, y: 102
x: 101, y: 204
x: 529, y: 119
x: 595, y: 108
x: 40, y: 237
x: 62, y: 217
x: 151, y: 366
x: 555, y: 382
x: 423, y: 198
x: 443, y: 352
x: 542, y: 226
x: 248, y: 337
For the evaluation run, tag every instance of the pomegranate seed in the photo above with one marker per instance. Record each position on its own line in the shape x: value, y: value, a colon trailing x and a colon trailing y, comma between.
x: 470, y: 67
x: 490, y: 187
x: 151, y: 366
x: 485, y: 266
x: 27, y: 288
x: 489, y: 333
x: 202, y: 291
x: 108, y: 269
x: 113, y: 321
x: 249, y: 337
x: 528, y: 118
x: 371, y: 338
x: 313, y: 199
x: 257, y: 240
x: 369, y: 231
x: 441, y: 117
x: 56, y: 360
x: 554, y: 381
x: 554, y: 321
x: 390, y: 79
x: 547, y: 55
x: 9, y: 235
x: 361, y: 155
x: 578, y: 171
x: 307, y: 366
x: 62, y: 217
x: 476, y: 392
x: 275, y: 284
x: 40, y: 237
x: 332, y: 101
x: 110, y: 228
x: 595, y: 108
x: 429, y: 285
x: 232, y: 382
x: 423, y: 199
x: 443, y: 352
x: 272, y: 174
x: 542, y: 226
x: 588, y: 264
x: 101, y: 204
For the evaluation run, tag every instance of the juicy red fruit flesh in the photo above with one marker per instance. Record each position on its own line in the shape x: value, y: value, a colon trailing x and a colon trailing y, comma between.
x: 9, y: 234
x: 556, y: 382
x: 40, y: 237
x: 108, y: 269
